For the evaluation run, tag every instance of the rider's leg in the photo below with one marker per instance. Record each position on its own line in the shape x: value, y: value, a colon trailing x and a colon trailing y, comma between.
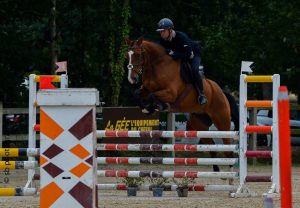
x: 198, y: 75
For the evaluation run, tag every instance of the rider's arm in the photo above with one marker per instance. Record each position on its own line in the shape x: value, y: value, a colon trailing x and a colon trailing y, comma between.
x: 185, y: 55
x: 185, y: 45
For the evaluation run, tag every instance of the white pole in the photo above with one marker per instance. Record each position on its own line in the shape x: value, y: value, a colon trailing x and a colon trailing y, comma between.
x: 275, y: 135
x: 63, y: 81
x: 31, y: 123
x: 243, y: 134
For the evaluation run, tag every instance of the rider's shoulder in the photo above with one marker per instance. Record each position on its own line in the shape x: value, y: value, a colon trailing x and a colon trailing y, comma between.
x: 182, y: 36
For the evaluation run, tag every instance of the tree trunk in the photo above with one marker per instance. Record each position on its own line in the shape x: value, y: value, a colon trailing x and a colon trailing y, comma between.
x: 53, y: 37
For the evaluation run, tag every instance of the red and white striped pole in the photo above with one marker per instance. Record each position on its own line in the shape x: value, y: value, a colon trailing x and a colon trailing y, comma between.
x: 284, y: 147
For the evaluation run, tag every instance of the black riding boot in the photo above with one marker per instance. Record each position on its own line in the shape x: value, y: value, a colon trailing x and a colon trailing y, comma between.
x: 199, y: 87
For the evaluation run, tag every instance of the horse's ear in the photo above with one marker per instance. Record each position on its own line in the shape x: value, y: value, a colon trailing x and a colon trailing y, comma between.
x: 127, y: 41
x: 140, y: 40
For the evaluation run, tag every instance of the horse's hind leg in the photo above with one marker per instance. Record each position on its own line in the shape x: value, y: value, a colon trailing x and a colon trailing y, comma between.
x: 223, y: 123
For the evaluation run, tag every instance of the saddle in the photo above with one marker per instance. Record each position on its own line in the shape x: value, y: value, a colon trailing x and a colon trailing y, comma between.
x: 186, y: 72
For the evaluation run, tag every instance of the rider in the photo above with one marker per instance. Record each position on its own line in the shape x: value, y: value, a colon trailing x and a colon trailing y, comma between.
x: 179, y: 46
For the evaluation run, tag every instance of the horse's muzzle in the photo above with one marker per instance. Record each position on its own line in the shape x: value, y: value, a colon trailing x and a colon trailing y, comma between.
x: 130, y: 80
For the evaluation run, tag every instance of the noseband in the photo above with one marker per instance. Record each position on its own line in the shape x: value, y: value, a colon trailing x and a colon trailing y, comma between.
x: 140, y: 64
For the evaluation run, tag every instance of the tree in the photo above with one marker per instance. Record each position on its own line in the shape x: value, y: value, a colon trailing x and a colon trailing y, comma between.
x: 117, y: 47
x: 53, y: 45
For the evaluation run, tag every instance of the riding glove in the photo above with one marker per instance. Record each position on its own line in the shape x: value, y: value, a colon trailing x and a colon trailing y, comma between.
x: 170, y: 52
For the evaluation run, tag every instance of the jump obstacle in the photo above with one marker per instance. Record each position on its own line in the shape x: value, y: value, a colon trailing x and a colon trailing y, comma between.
x: 47, y: 97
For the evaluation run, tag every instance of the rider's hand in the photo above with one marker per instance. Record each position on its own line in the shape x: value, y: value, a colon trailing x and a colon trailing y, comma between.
x: 170, y: 52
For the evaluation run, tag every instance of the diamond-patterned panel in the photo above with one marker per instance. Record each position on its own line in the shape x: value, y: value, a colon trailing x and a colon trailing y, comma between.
x: 67, y: 153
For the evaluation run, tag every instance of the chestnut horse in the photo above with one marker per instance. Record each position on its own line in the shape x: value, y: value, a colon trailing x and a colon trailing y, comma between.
x: 162, y: 83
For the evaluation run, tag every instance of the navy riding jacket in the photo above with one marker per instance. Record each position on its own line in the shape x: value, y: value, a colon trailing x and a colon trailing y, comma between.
x: 182, y: 46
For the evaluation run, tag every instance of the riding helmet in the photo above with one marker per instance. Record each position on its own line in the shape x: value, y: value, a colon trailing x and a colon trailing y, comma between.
x: 164, y: 24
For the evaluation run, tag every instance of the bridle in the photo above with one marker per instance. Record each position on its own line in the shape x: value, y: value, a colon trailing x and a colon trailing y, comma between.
x: 138, y: 68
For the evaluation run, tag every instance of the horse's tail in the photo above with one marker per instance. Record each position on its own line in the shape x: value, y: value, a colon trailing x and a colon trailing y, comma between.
x: 234, y: 109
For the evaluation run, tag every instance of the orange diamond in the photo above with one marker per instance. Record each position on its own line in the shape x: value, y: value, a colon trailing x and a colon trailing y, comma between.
x: 43, y: 160
x: 49, y: 127
x: 80, y: 151
x: 49, y: 194
x: 80, y: 169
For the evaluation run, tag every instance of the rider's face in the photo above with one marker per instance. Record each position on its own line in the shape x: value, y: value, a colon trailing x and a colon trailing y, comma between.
x: 164, y: 34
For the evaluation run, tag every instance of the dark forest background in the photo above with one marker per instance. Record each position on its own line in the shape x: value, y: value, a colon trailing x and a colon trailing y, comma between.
x: 89, y: 35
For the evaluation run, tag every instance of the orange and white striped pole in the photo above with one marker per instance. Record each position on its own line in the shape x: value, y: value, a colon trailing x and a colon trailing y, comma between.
x: 284, y: 147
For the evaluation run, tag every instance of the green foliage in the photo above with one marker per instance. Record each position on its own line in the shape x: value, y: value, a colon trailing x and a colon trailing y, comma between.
x: 158, y: 182
x: 132, y: 182
x: 117, y: 51
x: 90, y: 37
x: 184, y: 181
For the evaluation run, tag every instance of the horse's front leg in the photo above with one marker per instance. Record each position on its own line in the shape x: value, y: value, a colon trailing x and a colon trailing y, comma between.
x: 143, y: 101
x: 160, y: 99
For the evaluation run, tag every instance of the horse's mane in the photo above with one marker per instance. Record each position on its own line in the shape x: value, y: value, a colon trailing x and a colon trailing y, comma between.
x: 153, y: 46
x: 154, y: 51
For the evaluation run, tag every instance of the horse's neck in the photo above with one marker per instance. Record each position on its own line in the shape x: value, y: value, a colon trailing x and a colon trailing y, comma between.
x: 157, y: 57
x: 161, y: 69
x: 154, y: 52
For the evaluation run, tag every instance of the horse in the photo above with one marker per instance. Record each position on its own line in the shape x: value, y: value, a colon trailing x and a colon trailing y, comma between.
x: 163, y: 88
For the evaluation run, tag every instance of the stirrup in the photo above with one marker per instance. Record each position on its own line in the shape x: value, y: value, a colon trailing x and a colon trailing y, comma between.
x: 202, y: 100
